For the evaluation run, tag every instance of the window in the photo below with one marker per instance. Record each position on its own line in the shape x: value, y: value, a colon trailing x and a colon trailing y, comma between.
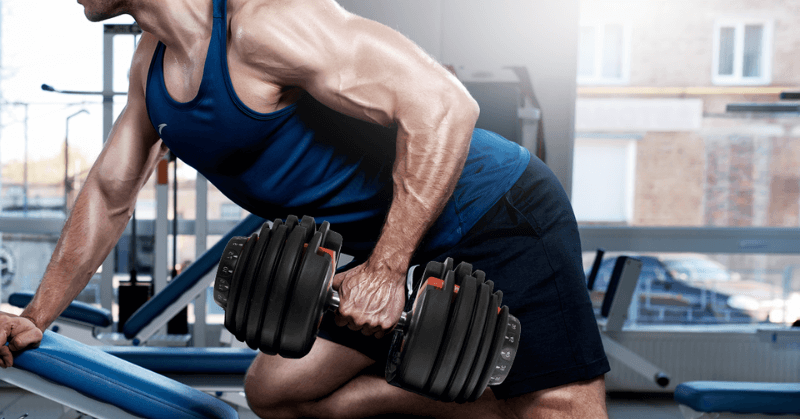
x: 604, y: 178
x: 604, y: 54
x: 742, y: 52
x: 230, y: 211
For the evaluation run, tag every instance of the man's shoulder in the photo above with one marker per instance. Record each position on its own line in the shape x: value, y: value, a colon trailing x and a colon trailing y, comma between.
x: 140, y: 65
x: 279, y: 36
x: 257, y: 18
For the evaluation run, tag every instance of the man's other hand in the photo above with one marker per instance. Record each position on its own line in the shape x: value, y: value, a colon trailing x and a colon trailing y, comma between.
x: 20, y: 333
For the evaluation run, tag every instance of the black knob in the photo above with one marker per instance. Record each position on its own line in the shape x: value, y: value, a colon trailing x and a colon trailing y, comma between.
x: 662, y: 379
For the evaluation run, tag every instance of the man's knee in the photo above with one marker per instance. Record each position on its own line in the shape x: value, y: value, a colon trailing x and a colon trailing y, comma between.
x: 267, y: 395
x: 585, y: 399
x: 279, y: 387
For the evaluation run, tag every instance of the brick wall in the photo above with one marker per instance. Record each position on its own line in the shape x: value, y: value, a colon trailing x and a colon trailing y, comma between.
x: 735, y: 170
x: 669, y: 180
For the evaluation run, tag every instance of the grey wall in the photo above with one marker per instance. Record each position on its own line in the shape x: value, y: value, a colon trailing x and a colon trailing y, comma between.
x: 479, y: 34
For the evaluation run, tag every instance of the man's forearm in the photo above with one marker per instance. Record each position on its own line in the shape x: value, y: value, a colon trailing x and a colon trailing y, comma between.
x: 428, y: 166
x: 87, y: 238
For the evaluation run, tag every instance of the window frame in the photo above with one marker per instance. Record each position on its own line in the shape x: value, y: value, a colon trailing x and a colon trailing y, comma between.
x: 597, y: 77
x: 767, y: 44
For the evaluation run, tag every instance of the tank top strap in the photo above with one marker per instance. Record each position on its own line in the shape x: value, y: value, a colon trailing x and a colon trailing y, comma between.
x: 220, y: 7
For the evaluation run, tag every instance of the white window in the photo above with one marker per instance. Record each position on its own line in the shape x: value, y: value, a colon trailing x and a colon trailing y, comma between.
x: 742, y: 52
x: 604, y: 53
x: 604, y: 178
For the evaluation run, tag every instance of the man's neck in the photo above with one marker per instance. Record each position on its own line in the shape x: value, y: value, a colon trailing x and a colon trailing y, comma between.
x: 183, y: 25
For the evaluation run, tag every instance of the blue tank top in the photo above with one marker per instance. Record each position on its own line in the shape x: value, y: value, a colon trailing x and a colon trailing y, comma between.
x: 307, y: 159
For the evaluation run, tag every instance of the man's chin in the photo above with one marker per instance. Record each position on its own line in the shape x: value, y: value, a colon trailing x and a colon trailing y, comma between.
x: 98, y: 17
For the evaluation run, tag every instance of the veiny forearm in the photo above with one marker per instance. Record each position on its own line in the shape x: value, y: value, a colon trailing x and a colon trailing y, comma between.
x: 86, y: 239
x: 431, y: 152
x: 100, y: 215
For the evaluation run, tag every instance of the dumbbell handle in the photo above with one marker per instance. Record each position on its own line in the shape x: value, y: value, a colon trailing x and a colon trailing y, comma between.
x: 332, y: 303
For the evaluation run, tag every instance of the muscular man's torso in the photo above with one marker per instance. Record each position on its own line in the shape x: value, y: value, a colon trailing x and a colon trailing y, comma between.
x: 275, y: 150
x: 183, y: 74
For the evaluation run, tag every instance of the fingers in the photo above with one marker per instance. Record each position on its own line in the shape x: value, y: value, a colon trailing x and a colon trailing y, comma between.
x: 26, y: 339
x: 20, y: 333
x: 339, y: 278
x: 367, y: 328
x: 6, y: 359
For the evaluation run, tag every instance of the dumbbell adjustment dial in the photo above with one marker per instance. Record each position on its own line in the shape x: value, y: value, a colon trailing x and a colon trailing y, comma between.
x: 227, y: 265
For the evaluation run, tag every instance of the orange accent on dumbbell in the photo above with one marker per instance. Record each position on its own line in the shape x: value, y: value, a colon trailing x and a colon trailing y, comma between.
x: 439, y: 284
x: 332, y: 254
x: 435, y: 282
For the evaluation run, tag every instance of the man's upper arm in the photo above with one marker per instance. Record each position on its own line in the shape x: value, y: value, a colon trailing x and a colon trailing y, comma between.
x: 354, y: 65
x: 128, y: 156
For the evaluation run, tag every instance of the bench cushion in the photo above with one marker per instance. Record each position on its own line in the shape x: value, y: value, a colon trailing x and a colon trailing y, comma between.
x: 164, y: 360
x: 77, y: 310
x: 740, y: 397
x: 104, y: 377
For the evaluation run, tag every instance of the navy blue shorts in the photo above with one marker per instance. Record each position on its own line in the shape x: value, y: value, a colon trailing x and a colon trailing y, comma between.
x: 528, y: 245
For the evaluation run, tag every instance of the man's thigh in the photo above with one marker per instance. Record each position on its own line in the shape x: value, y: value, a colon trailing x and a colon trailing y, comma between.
x: 273, y: 380
x: 583, y: 400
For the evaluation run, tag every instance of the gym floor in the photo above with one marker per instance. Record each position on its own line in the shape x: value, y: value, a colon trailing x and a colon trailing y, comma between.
x: 640, y: 405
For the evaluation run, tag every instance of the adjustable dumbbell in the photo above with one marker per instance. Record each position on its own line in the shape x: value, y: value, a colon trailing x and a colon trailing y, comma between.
x: 276, y: 285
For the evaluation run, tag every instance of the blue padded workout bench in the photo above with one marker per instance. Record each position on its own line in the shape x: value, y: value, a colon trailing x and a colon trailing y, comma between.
x: 738, y: 399
x: 89, y: 380
x: 77, y: 311
x: 198, y: 367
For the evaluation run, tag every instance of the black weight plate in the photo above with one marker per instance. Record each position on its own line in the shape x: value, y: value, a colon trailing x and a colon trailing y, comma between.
x: 324, y: 228
x: 310, y: 226
x: 266, y: 275
x: 448, y: 264
x: 472, y: 343
x: 494, y: 350
x: 331, y: 240
x: 425, y: 334
x: 236, y: 285
x: 291, y: 222
x: 483, y: 350
x: 256, y: 301
x: 480, y: 275
x: 281, y: 292
x: 463, y: 270
x: 248, y: 283
x: 398, y: 350
x: 227, y: 265
x: 457, y: 326
x: 404, y: 340
x: 305, y: 310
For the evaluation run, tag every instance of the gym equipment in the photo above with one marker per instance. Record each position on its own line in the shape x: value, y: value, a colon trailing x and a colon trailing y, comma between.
x: 132, y: 294
x: 101, y: 385
x: 191, y: 283
x: 276, y: 285
x: 179, y: 325
x: 614, y: 314
x: 756, y: 400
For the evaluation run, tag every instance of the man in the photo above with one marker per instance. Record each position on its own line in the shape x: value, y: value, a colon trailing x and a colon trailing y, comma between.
x: 296, y: 106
